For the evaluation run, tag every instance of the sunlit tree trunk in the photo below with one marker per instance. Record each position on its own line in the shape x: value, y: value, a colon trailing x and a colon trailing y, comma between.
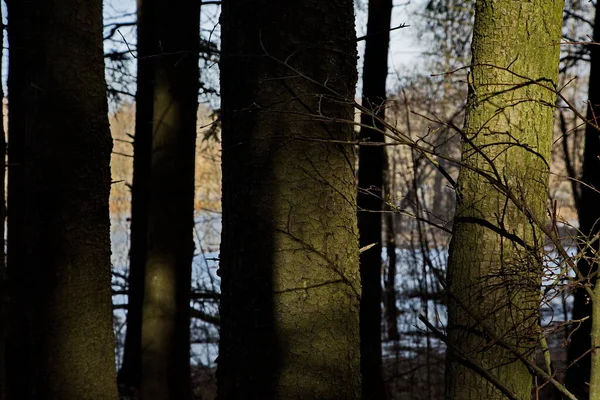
x: 370, y: 194
x: 61, y: 342
x: 170, y: 247
x: 494, y: 279
x: 289, y: 251
x: 578, y: 375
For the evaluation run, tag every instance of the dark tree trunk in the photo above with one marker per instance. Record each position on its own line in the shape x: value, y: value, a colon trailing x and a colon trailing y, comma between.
x: 578, y: 375
x: 61, y: 342
x: 370, y: 183
x: 391, y: 310
x: 289, y: 249
x: 147, y: 46
x: 170, y: 246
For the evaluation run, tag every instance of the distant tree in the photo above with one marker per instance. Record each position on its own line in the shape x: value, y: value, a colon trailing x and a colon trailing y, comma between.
x: 165, y: 371
x: 372, y: 163
x: 449, y: 25
x: 289, y: 250
x: 60, y: 343
x: 578, y: 375
x: 3, y: 282
x: 494, y: 280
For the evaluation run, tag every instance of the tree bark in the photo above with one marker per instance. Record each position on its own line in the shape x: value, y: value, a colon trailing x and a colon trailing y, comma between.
x: 289, y: 250
x: 147, y: 47
x: 370, y: 194
x: 61, y: 342
x: 578, y: 375
x: 170, y: 246
x: 494, y: 281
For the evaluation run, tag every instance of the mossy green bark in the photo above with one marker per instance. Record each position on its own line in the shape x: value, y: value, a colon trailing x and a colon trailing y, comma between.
x: 289, y: 252
x: 60, y: 339
x: 493, y: 279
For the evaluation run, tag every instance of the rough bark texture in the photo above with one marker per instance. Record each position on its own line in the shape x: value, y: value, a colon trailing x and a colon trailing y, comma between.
x: 166, y: 305
x: 508, y: 137
x: 289, y: 251
x: 578, y: 375
x: 370, y: 183
x: 147, y: 46
x: 61, y: 342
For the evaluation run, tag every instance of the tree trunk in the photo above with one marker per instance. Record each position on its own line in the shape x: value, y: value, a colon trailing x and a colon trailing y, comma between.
x: 289, y: 250
x: 370, y: 183
x: 578, y: 375
x: 147, y: 47
x: 61, y: 342
x: 166, y: 304
x: 3, y: 281
x: 493, y: 279
x: 391, y: 308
